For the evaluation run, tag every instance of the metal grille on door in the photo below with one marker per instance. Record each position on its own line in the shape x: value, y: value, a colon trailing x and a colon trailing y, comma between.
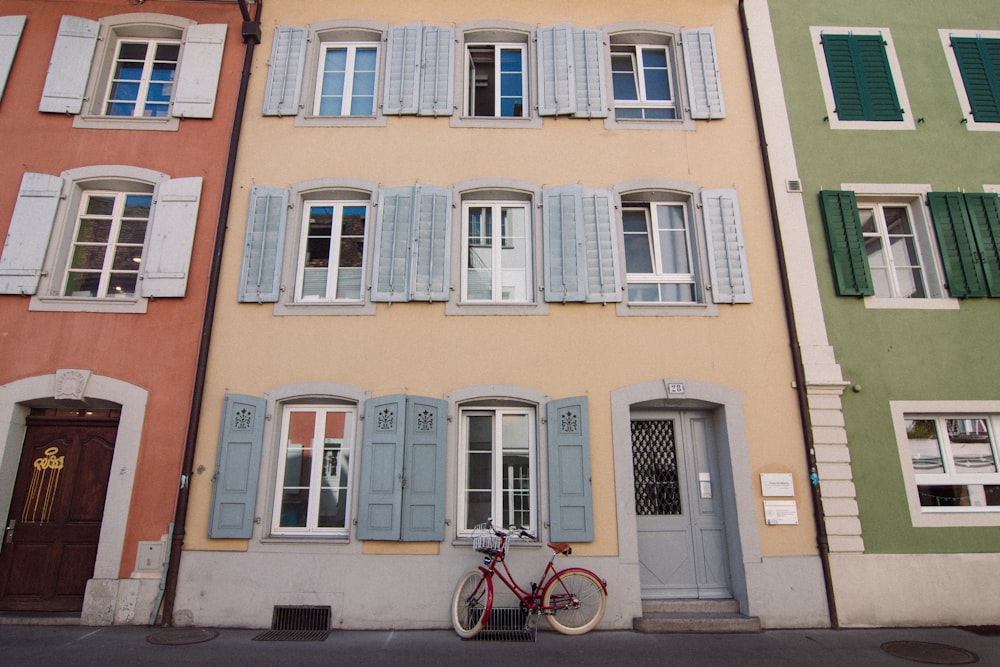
x: 654, y: 457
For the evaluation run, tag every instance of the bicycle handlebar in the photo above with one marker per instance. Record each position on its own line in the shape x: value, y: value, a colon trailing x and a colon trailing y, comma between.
x: 504, y: 533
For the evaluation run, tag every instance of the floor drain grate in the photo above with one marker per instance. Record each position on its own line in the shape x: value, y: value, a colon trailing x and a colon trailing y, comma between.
x: 297, y: 624
x: 508, y: 624
x: 929, y: 653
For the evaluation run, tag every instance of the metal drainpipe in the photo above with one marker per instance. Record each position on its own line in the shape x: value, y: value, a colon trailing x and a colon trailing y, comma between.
x: 822, y: 540
x: 251, y: 37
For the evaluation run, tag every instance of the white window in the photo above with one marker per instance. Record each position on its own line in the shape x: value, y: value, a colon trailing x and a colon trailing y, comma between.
x: 497, y: 253
x: 347, y: 78
x: 108, y: 243
x: 498, y: 468
x: 643, y: 82
x: 142, y: 80
x: 955, y: 461
x: 312, y: 494
x: 497, y: 85
x: 659, y: 253
x: 332, y: 251
x: 893, y: 250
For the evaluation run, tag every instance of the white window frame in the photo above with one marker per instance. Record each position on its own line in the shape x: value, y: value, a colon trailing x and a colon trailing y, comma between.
x: 956, y: 75
x: 470, y: 89
x: 350, y: 73
x: 497, y: 413
x: 636, y: 55
x: 657, y: 277
x: 145, y: 80
x: 333, y: 267
x: 347, y: 443
x: 913, y: 196
x: 497, y: 206
x: 927, y: 517
x: 907, y: 123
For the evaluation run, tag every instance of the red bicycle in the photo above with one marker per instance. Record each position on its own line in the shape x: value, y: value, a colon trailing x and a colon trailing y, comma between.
x: 577, y: 595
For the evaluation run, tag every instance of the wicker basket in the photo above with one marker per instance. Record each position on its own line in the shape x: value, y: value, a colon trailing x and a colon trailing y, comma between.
x: 485, y: 541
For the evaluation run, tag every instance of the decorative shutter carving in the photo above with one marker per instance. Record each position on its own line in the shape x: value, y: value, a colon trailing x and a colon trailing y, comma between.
x: 23, y: 256
x: 600, y: 242
x: 957, y: 244
x: 284, y: 72
x: 198, y: 75
x: 431, y: 241
x: 702, y: 69
x: 260, y: 278
x: 979, y: 62
x: 984, y: 214
x: 571, y: 513
x: 380, y: 495
x: 11, y: 28
x: 562, y: 230
x: 425, y: 454
x: 727, y: 253
x: 392, y: 245
x: 404, y: 47
x: 590, y: 72
x: 556, y: 76
x: 237, y: 467
x: 69, y: 68
x: 437, y: 80
x: 847, y: 245
x: 168, y: 257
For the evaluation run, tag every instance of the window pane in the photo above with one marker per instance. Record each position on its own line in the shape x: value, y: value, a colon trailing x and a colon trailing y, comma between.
x: 298, y: 468
x: 638, y: 251
x: 482, y: 77
x: 122, y: 284
x: 655, y: 75
x: 626, y: 88
x: 971, y: 450
x: 511, y: 83
x: 333, y: 484
x: 480, y: 268
x: 673, y: 240
x: 925, y: 449
x: 514, y: 255
x: 363, y: 85
x: 88, y: 257
x: 332, y: 85
x: 82, y: 284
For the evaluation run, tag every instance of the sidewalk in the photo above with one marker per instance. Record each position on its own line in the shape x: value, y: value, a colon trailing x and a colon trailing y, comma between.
x: 79, y: 645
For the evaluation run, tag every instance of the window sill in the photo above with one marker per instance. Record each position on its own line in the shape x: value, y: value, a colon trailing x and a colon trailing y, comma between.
x: 905, y: 124
x: 883, y: 303
x: 169, y: 124
x: 70, y: 304
x: 303, y: 120
x: 612, y: 123
x: 455, y: 308
x: 640, y: 309
x: 323, y: 308
x: 306, y: 539
x: 533, y: 122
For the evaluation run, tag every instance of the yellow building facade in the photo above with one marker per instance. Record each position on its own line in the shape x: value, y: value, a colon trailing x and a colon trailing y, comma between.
x: 539, y: 236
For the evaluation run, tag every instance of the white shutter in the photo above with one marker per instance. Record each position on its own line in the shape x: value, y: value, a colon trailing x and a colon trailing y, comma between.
x: 702, y: 69
x: 69, y: 67
x: 11, y: 28
x: 28, y: 235
x: 198, y: 77
x: 727, y: 254
x: 168, y: 256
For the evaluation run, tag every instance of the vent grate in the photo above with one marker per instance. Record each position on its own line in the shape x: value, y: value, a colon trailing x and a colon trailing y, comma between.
x: 508, y: 624
x: 297, y: 624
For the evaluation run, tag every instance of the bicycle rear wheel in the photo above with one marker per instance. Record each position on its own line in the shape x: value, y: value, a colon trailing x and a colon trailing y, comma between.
x: 471, y: 603
x: 578, y: 600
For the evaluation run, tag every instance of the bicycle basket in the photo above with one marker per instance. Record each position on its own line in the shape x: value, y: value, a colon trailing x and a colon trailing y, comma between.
x: 485, y: 541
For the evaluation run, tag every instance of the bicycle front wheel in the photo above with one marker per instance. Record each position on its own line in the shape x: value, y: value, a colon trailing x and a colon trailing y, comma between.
x: 577, y: 600
x: 471, y: 603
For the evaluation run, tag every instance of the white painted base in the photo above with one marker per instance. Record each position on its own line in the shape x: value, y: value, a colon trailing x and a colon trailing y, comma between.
x: 119, y: 601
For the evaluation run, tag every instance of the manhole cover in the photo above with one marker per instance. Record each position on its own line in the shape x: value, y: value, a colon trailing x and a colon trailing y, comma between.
x: 182, y: 636
x: 933, y: 654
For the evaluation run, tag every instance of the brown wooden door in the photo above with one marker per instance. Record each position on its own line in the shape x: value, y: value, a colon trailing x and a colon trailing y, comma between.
x: 54, y: 523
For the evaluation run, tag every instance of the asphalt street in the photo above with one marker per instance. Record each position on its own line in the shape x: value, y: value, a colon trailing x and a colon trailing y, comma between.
x: 37, y: 645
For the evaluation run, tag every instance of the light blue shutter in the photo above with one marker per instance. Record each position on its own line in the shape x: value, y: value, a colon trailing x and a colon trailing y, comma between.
x: 425, y: 454
x: 260, y: 277
x: 198, y: 75
x: 28, y: 235
x: 600, y: 244
x: 727, y: 253
x: 556, y: 77
x: 284, y: 71
x: 562, y: 234
x: 702, y: 69
x: 437, y: 81
x: 69, y: 67
x: 431, y: 237
x: 237, y: 467
x: 380, y: 495
x: 392, y: 245
x: 590, y: 72
x: 11, y: 28
x: 168, y: 256
x: 571, y: 511
x: 403, y: 69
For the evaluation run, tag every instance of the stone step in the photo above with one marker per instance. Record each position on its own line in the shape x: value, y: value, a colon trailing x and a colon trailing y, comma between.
x: 693, y: 616
x: 690, y: 605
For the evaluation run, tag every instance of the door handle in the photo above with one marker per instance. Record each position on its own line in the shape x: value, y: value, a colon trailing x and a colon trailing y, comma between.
x: 9, y: 532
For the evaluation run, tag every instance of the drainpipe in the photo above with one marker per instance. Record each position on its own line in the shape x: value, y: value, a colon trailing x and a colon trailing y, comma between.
x: 251, y: 37
x: 822, y: 540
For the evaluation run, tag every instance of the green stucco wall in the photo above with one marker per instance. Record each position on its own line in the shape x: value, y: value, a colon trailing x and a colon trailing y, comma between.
x: 890, y: 355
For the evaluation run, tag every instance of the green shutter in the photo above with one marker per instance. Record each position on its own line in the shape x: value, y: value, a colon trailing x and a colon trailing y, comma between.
x: 571, y: 510
x: 23, y: 256
x: 957, y: 244
x: 260, y: 277
x: 431, y: 237
x: 861, y: 78
x: 237, y: 467
x: 425, y: 454
x: 979, y: 62
x: 984, y: 214
x: 381, y: 492
x: 562, y: 229
x: 847, y: 245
